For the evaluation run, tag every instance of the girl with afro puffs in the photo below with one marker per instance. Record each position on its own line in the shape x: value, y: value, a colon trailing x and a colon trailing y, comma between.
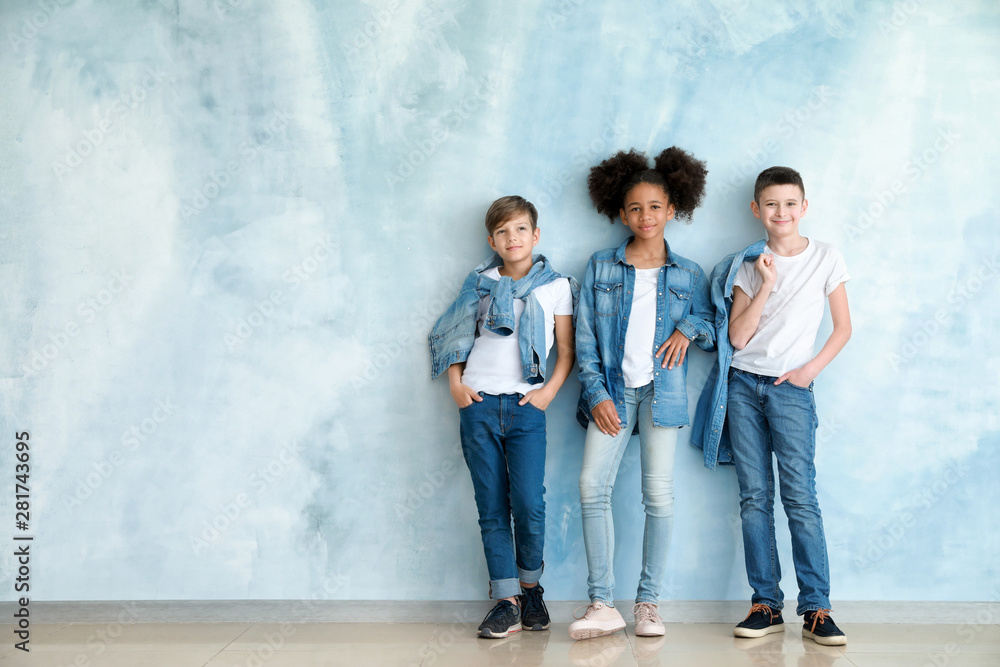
x: 641, y: 306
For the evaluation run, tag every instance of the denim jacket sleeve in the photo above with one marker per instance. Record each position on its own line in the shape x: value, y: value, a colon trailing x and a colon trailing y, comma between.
x: 588, y: 355
x: 454, y: 333
x: 698, y: 324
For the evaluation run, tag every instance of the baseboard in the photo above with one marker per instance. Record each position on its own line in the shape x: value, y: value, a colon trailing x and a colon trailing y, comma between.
x: 398, y: 611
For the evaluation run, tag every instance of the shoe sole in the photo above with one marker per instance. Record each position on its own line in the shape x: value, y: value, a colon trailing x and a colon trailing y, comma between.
x: 651, y: 633
x: 537, y: 627
x: 837, y: 640
x: 591, y: 633
x: 750, y: 633
x: 489, y: 634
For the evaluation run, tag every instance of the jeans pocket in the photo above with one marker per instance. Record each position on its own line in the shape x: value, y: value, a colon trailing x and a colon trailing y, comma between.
x: 792, y: 384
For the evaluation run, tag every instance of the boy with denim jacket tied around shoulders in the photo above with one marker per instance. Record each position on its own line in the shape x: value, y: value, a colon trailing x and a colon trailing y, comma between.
x: 758, y: 404
x: 494, y: 342
x: 641, y: 306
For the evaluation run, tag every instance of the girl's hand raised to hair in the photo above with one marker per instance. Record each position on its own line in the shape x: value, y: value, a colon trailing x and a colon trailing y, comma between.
x: 765, y: 267
x: 606, y: 417
x: 464, y: 395
x: 673, y: 350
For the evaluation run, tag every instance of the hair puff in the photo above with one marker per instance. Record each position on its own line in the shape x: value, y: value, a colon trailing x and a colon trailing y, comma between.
x: 685, y: 176
x: 607, y: 180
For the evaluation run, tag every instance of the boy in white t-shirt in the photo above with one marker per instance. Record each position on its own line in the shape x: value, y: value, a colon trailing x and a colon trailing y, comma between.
x: 493, y: 342
x: 776, y: 310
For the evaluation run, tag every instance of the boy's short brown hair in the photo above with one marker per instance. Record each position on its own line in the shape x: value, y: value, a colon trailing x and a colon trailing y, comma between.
x: 777, y: 176
x: 509, y: 207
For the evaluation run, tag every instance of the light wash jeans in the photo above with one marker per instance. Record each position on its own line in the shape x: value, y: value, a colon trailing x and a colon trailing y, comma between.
x: 601, y: 457
x: 764, y: 419
x: 504, y: 446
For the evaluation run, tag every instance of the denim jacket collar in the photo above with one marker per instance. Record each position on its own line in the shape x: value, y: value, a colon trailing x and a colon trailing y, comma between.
x: 620, y: 253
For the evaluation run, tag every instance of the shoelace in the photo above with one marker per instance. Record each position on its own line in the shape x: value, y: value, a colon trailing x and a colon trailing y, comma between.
x: 533, y: 600
x: 819, y: 616
x: 592, y: 608
x: 763, y: 608
x: 645, y: 611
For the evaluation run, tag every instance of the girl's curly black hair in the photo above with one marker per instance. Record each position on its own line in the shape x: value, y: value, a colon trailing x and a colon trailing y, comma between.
x: 680, y: 175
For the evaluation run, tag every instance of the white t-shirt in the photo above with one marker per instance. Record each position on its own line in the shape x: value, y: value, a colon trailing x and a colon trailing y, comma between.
x: 494, y: 364
x: 637, y: 362
x: 786, y: 334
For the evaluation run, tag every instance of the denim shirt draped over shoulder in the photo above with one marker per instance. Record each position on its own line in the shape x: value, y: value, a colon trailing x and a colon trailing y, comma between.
x: 605, y: 303
x: 709, y: 432
x: 454, y: 333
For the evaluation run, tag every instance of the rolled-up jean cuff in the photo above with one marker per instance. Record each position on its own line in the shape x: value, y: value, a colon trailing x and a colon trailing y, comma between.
x: 530, y: 576
x: 504, y: 588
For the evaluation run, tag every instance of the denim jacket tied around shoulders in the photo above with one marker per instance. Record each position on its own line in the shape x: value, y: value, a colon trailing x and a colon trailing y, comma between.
x: 709, y: 431
x: 605, y: 303
x: 454, y: 333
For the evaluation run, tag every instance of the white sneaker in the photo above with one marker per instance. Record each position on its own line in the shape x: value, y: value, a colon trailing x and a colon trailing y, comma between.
x: 597, y: 621
x: 647, y: 620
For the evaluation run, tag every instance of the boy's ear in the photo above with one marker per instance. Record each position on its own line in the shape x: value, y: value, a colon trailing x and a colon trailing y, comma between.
x: 536, y: 236
x: 755, y: 209
x: 621, y: 214
x: 805, y: 205
x: 493, y: 246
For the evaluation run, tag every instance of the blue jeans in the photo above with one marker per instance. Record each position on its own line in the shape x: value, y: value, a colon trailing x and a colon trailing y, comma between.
x: 602, y: 455
x: 504, y: 446
x: 763, y: 419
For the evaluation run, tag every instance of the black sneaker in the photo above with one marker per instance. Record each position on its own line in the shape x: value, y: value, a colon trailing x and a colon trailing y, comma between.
x: 534, y: 615
x: 503, y: 619
x: 820, y: 628
x: 762, y: 620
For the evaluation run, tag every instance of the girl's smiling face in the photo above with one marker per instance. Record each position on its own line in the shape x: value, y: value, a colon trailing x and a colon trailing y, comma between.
x: 646, y: 210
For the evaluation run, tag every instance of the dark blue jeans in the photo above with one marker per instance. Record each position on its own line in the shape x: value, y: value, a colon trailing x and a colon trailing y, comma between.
x: 504, y: 446
x: 765, y: 420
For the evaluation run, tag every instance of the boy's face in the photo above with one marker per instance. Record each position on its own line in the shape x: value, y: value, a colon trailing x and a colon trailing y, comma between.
x: 514, y: 239
x: 780, y: 208
x: 646, y: 211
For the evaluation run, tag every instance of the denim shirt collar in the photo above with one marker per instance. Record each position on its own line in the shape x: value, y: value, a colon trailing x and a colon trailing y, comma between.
x: 620, y: 253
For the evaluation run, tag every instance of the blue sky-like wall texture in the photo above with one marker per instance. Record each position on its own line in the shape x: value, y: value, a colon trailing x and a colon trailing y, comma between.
x: 228, y: 226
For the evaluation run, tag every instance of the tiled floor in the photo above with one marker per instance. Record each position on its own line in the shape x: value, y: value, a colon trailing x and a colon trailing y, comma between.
x: 455, y: 644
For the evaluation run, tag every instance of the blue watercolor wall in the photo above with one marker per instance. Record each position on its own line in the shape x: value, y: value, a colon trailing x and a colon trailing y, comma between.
x: 228, y: 225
